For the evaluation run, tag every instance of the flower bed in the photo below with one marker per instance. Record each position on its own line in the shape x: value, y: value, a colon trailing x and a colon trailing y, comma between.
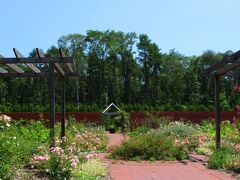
x: 18, y: 141
x: 25, y: 145
x: 150, y: 146
x: 175, y: 140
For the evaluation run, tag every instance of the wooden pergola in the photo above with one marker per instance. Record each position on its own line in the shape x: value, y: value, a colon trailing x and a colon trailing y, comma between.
x: 9, y: 68
x: 225, y: 67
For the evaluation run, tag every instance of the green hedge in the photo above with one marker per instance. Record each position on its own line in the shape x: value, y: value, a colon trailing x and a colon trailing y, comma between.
x: 33, y: 107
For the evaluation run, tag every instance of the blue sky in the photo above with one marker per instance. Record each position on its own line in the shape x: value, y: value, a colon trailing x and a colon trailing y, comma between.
x: 189, y: 26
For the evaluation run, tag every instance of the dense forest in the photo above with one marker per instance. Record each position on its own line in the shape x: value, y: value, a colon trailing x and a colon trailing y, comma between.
x: 127, y: 69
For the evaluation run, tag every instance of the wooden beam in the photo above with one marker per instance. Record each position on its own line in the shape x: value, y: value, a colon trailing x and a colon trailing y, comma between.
x: 26, y: 74
x: 30, y: 65
x: 35, y: 60
x: 57, y: 67
x: 70, y: 67
x: 217, y: 112
x: 31, y: 74
x: 214, y: 67
x: 13, y: 66
x: 63, y: 114
x: 234, y: 58
x: 232, y: 73
x: 52, y: 105
x: 40, y: 55
x: 62, y: 55
x: 226, y: 69
x: 3, y: 70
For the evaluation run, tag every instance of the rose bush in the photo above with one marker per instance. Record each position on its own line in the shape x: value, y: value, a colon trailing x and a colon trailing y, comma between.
x: 68, y: 154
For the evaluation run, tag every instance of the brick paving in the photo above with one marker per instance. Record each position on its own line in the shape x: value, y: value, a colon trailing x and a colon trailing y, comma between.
x: 192, y: 169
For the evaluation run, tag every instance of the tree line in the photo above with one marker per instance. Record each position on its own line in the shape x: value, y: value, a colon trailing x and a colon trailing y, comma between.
x: 127, y: 69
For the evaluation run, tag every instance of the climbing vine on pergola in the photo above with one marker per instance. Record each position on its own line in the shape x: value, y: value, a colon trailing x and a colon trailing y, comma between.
x: 225, y: 67
x: 57, y: 67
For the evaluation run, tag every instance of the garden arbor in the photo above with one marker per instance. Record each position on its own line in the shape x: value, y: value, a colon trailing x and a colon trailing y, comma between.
x: 225, y: 67
x: 113, y: 110
x: 53, y: 67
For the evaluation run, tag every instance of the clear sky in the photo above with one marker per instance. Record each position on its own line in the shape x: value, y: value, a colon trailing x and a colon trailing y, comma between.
x: 189, y: 26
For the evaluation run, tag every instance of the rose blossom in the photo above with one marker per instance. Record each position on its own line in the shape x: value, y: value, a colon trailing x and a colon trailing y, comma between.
x: 236, y: 147
x: 40, y: 158
x: 57, y: 150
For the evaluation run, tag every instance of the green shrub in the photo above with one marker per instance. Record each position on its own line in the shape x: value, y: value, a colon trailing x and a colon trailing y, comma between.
x: 234, y: 165
x: 178, y: 129
x: 227, y: 128
x: 220, y: 158
x: 109, y: 122
x: 117, y: 121
x: 90, y: 170
x: 139, y: 131
x: 227, y: 158
x: 58, y: 168
x: 17, y: 145
x: 208, y: 127
x: 150, y: 146
x: 206, y: 148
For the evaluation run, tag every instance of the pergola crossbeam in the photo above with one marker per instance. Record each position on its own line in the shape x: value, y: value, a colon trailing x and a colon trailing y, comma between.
x: 35, y: 60
x: 3, y: 70
x: 226, y: 69
x: 62, y: 55
x: 6, y: 74
x: 232, y: 73
x: 30, y: 65
x: 215, y: 66
x: 15, y: 68
x: 70, y: 67
x: 57, y: 67
x: 223, y: 66
x: 12, y: 66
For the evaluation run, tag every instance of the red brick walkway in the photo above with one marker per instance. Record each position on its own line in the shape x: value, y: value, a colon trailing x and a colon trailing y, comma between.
x: 191, y: 169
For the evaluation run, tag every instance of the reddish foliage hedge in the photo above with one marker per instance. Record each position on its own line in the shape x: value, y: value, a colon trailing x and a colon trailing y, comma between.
x: 79, y: 116
x: 136, y: 118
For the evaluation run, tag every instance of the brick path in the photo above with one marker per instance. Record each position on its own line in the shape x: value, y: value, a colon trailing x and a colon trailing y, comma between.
x: 192, y: 169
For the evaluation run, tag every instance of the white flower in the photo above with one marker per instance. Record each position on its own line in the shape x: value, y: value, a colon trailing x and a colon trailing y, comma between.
x: 8, y: 125
x: 5, y: 118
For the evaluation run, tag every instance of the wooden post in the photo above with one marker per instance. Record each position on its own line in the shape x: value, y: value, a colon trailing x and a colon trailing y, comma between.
x: 52, y: 104
x: 63, y: 114
x: 217, y: 112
